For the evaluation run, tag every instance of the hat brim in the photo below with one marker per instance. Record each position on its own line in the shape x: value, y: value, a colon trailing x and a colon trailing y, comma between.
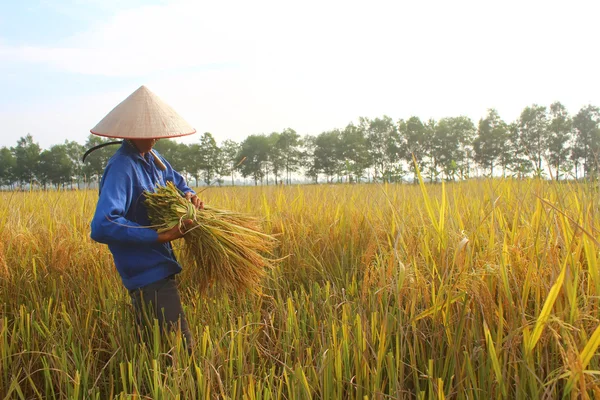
x: 137, y: 137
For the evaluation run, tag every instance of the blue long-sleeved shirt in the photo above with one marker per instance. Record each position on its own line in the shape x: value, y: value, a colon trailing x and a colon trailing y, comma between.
x: 121, y: 218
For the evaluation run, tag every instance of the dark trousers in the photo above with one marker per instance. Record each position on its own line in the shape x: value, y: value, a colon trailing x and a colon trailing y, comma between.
x: 161, y: 300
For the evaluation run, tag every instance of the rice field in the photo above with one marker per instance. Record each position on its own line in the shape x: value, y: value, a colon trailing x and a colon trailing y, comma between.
x: 477, y: 290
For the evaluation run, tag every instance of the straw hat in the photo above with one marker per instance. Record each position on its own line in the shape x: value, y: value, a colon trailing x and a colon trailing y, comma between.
x: 142, y: 115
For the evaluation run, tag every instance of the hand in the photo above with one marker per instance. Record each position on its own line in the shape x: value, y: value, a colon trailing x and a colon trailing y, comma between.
x: 195, y: 200
x: 178, y: 231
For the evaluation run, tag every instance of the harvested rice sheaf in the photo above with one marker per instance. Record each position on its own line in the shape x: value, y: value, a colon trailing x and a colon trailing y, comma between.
x: 227, y: 248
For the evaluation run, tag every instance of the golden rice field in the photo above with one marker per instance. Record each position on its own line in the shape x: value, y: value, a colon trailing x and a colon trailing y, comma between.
x: 479, y: 290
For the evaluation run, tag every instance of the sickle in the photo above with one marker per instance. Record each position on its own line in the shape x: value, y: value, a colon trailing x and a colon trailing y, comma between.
x: 99, y: 147
x: 157, y: 160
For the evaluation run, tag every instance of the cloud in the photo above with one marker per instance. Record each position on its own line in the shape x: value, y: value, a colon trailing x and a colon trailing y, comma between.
x: 273, y: 34
x: 320, y: 37
x: 142, y: 41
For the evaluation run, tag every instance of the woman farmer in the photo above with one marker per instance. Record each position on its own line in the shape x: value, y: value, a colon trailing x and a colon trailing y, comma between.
x: 143, y: 257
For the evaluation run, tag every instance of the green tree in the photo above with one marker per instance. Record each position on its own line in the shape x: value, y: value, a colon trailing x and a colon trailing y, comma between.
x: 354, y: 152
x: 55, y: 166
x: 514, y: 157
x: 8, y: 164
x: 44, y: 168
x: 255, y: 152
x: 193, y: 160
x: 307, y: 158
x: 288, y: 148
x: 533, y: 135
x: 185, y: 160
x: 383, y: 146
x: 560, y: 131
x: 75, y: 151
x: 414, y: 136
x: 229, y: 158
x: 210, y: 158
x: 97, y: 160
x: 491, y: 141
x: 326, y: 154
x: 175, y: 153
x: 433, y: 145
x: 27, y: 155
x: 587, y: 139
x: 454, y: 137
x: 276, y: 156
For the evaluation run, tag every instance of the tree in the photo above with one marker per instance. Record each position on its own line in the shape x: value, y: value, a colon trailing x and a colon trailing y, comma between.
x: 354, y: 152
x: 433, y: 146
x: 454, y: 138
x: 533, y: 135
x: 175, y: 153
x: 97, y: 160
x: 307, y: 158
x: 383, y: 145
x: 55, y: 166
x: 491, y: 141
x: 229, y: 158
x: 193, y: 158
x: 75, y: 151
x: 183, y: 158
x: 288, y: 146
x: 326, y: 154
x: 514, y: 155
x: 414, y: 136
x: 255, y: 150
x: 44, y: 168
x: 210, y: 156
x: 8, y: 164
x: 276, y: 155
x: 587, y: 134
x: 559, y: 134
x: 27, y: 156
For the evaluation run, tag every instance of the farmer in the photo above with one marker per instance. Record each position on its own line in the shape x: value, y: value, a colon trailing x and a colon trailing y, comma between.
x: 143, y: 257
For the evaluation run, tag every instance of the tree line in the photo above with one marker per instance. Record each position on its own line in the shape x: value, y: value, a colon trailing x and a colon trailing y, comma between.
x: 544, y: 141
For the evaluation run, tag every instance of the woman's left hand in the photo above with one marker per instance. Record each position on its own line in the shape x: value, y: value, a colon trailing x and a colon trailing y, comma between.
x: 199, y: 204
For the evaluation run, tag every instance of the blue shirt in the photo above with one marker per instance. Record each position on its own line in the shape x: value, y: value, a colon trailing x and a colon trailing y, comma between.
x: 121, y: 218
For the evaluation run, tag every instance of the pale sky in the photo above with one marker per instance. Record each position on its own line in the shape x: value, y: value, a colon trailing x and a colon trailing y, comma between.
x: 236, y: 68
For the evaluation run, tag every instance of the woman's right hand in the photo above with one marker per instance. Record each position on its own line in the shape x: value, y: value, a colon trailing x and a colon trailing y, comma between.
x: 178, y: 231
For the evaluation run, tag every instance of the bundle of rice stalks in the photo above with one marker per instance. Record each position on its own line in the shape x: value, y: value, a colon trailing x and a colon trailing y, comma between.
x: 226, y: 247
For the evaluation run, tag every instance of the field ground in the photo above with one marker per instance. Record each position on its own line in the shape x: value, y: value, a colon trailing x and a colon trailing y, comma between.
x: 478, y: 290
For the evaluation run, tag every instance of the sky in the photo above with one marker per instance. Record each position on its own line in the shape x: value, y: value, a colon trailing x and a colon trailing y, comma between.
x: 236, y: 68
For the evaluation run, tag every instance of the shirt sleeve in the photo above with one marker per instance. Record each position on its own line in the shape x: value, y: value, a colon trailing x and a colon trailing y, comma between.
x: 175, y: 177
x: 109, y: 224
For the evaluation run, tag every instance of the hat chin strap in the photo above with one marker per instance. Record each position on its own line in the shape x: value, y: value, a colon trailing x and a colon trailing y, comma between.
x: 157, y: 161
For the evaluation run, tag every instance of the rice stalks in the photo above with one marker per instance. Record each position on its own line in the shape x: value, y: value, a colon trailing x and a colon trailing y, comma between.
x: 3, y: 266
x: 226, y: 247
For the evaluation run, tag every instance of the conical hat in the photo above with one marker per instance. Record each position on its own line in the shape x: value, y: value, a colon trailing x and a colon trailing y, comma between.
x: 142, y: 115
